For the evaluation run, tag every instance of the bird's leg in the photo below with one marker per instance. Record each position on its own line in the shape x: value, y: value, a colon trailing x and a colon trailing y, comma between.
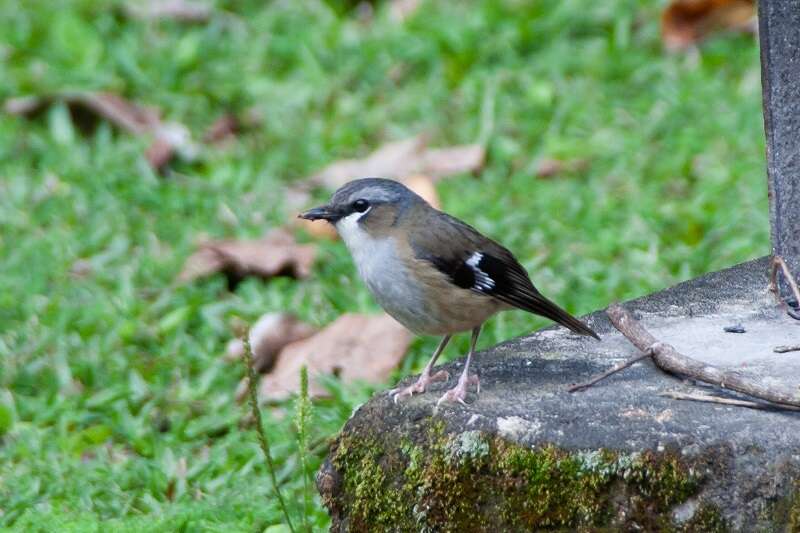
x: 426, y: 378
x: 459, y: 392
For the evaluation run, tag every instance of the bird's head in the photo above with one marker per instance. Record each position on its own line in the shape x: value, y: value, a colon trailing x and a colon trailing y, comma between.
x: 372, y: 205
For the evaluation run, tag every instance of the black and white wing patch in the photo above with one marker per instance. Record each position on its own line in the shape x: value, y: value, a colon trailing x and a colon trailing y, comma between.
x: 507, y: 281
x: 481, y: 281
x: 478, y: 271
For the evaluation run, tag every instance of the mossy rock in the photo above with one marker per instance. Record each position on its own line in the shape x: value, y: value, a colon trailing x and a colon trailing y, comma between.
x: 526, y: 455
x: 472, y: 481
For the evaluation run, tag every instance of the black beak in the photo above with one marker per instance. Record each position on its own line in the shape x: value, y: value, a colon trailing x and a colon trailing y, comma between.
x: 322, y: 212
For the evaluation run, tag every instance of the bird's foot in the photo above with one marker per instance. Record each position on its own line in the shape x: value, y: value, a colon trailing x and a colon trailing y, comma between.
x: 459, y: 392
x: 420, y: 385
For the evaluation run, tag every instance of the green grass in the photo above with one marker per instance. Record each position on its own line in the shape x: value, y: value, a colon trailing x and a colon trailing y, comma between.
x: 112, y: 382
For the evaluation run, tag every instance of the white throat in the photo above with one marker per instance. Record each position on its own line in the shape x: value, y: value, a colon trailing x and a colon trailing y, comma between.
x: 352, y: 233
x: 372, y: 255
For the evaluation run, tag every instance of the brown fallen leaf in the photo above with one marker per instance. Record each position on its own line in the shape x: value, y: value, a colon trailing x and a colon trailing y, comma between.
x: 81, y: 268
x: 88, y: 108
x: 275, y: 254
x: 182, y: 10
x: 389, y: 161
x: 159, y: 154
x: 686, y: 22
x: 354, y: 347
x: 547, y: 167
x: 442, y: 162
x: 400, y: 159
x: 268, y: 336
x: 225, y: 128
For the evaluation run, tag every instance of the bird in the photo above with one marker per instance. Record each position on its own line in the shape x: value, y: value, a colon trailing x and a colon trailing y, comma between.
x: 431, y: 272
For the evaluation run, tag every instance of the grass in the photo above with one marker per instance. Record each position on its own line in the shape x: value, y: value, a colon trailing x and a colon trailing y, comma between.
x: 116, y: 409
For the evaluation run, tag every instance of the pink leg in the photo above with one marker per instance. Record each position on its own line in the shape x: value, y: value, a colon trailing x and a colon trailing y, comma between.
x: 459, y: 392
x: 426, y: 378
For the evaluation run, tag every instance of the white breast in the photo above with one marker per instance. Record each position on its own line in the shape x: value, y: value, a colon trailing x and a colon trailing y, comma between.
x: 384, y: 272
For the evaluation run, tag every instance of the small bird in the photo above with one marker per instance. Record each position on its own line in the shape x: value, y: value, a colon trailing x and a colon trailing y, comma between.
x: 433, y: 273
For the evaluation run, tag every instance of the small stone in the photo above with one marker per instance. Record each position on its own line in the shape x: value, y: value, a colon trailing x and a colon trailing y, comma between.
x: 738, y: 328
x: 791, y: 302
x: 685, y: 511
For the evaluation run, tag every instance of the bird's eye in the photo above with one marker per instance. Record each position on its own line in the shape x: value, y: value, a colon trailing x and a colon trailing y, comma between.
x: 361, y: 205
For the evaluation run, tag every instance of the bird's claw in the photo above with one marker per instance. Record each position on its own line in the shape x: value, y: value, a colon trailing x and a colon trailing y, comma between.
x: 419, y: 386
x: 459, y: 392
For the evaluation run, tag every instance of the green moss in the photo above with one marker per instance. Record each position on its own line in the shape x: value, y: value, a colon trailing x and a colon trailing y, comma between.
x: 706, y: 519
x: 786, y: 511
x: 473, y: 481
x: 794, y: 512
x: 662, y: 479
x: 549, y: 487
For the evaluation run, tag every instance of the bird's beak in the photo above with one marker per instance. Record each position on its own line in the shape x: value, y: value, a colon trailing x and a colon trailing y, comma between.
x: 323, y: 212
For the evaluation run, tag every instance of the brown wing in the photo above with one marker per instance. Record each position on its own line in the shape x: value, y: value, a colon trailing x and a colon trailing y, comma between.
x: 475, y: 262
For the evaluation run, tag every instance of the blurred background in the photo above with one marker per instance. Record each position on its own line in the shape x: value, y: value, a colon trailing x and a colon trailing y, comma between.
x: 146, y: 149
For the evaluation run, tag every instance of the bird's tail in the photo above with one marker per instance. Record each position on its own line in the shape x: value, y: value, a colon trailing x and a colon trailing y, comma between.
x: 544, y: 307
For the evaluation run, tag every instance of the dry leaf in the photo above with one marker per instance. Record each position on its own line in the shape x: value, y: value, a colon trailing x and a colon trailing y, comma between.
x: 86, y: 108
x: 354, y: 347
x: 389, y: 161
x: 224, y: 128
x: 443, y: 162
x: 547, y: 168
x: 268, y: 336
x: 400, y: 159
x: 183, y: 10
x: 273, y: 255
x: 81, y: 268
x: 685, y: 22
x: 159, y: 154
x: 89, y: 107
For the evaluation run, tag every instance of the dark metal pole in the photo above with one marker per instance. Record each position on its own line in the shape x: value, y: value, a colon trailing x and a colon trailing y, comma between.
x: 779, y: 33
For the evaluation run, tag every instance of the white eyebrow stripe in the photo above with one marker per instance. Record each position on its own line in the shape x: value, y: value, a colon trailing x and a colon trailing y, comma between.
x: 482, y: 279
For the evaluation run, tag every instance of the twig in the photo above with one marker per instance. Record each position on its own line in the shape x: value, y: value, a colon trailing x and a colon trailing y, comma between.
x: 785, y: 349
x: 675, y: 395
x: 668, y: 359
x: 604, y: 375
x: 252, y: 379
x: 777, y: 261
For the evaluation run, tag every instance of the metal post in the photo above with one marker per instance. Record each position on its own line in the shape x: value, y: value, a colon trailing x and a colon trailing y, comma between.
x: 779, y: 33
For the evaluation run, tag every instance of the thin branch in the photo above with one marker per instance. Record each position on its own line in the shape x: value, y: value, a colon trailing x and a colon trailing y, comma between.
x: 622, y: 366
x: 252, y: 380
x: 777, y: 261
x: 786, y: 349
x: 675, y: 395
x: 668, y: 359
